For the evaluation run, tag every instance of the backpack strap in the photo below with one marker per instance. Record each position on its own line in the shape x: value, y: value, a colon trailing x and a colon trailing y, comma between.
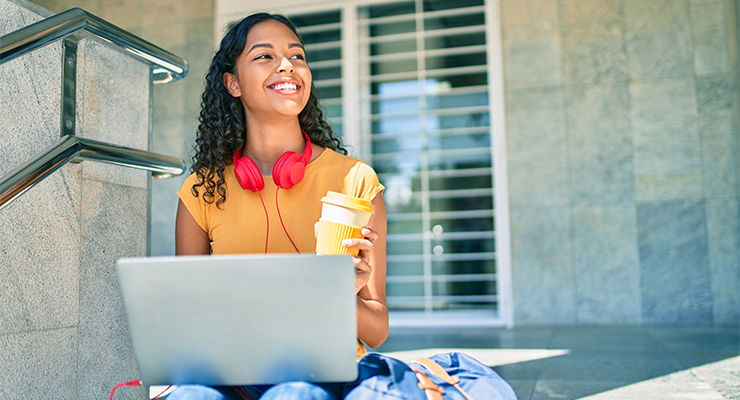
x: 437, y: 370
x: 432, y: 391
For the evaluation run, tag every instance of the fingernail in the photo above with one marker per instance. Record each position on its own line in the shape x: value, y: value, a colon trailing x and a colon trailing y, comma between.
x: 346, y: 242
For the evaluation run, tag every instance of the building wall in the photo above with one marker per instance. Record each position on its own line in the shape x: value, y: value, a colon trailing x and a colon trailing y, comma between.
x: 623, y: 160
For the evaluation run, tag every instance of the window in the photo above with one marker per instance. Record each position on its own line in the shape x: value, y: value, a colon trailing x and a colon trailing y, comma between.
x: 322, y: 37
x: 414, y: 80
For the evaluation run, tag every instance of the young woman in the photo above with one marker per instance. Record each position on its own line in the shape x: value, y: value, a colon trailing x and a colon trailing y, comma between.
x: 258, y: 105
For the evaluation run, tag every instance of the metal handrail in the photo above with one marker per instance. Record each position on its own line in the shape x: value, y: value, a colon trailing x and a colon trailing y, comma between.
x: 77, y: 149
x: 167, y: 66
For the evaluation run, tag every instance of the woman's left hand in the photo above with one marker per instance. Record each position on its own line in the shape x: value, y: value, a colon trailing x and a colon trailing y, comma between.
x: 362, y: 260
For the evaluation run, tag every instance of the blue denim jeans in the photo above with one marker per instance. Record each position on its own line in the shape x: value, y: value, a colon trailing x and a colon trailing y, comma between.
x: 283, y: 391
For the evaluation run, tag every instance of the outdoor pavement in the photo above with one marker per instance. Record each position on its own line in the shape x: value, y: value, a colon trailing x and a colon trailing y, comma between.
x: 592, y: 362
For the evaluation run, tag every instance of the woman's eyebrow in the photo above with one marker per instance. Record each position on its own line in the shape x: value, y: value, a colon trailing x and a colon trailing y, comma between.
x: 260, y: 45
x: 268, y: 45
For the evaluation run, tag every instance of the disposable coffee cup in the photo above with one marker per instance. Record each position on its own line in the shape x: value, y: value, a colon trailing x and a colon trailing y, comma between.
x: 342, y: 217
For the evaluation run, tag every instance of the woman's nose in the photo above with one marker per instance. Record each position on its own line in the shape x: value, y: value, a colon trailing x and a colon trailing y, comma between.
x: 285, y: 65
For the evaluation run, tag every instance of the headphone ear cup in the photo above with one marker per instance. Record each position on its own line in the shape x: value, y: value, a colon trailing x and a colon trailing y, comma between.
x: 248, y: 174
x: 288, y: 170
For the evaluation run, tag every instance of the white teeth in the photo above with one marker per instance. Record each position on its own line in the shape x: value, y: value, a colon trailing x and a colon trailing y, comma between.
x: 285, y: 86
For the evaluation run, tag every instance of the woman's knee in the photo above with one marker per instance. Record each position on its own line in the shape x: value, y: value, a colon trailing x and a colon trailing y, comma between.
x: 296, y: 390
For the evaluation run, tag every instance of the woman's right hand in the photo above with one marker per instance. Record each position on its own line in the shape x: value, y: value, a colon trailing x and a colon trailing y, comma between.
x: 363, y: 269
x: 362, y: 260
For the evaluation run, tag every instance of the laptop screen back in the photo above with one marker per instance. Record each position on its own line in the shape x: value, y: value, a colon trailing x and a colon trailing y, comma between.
x: 239, y: 320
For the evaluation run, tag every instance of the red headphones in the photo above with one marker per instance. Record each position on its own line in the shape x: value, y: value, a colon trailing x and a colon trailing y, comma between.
x: 286, y: 173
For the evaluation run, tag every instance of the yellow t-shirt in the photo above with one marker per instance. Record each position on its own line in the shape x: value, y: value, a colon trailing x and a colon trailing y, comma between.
x: 240, y: 227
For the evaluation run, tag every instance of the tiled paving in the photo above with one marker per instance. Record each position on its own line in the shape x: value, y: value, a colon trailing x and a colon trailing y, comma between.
x: 604, y: 363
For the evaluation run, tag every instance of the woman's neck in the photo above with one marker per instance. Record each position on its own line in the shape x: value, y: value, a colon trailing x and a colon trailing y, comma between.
x: 266, y: 142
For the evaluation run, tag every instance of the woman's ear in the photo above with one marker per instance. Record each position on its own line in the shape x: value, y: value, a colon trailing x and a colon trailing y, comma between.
x: 232, y: 84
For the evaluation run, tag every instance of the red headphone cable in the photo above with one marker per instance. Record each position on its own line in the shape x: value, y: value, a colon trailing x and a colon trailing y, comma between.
x: 248, y: 397
x: 281, y: 221
x: 161, y: 393
x: 267, y: 219
x: 130, y: 383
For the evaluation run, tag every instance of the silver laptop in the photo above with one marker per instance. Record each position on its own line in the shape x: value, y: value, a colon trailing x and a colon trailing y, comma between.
x: 241, y: 320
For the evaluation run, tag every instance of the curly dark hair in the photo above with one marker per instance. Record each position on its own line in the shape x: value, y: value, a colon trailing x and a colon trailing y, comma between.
x: 222, y: 128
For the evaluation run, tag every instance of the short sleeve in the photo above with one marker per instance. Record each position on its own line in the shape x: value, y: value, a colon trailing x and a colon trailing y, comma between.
x: 195, y: 205
x: 363, y: 182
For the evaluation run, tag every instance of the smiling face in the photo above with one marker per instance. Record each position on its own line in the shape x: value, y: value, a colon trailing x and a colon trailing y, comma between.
x: 272, y: 78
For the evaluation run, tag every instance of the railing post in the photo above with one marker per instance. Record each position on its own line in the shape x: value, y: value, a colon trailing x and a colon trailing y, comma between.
x: 69, y: 85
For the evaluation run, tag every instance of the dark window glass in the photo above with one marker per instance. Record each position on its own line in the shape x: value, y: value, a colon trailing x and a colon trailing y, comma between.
x: 333, y: 110
x: 479, y: 288
x: 444, y: 102
x: 463, y: 80
x: 460, y: 183
x: 455, y: 61
x: 455, y: 21
x: 404, y: 289
x: 393, y: 66
x: 437, y: 5
x: 464, y: 224
x: 316, y: 19
x: 463, y: 246
x: 466, y: 306
x: 338, y: 129
x: 457, y: 161
x: 388, y: 10
x: 405, y: 268
x: 327, y: 73
x: 393, y: 28
x: 397, y: 227
x: 329, y: 92
x: 332, y: 35
x: 459, y: 40
x: 396, y: 124
x: 465, y: 120
x: 404, y: 247
x: 410, y: 143
x: 397, y: 46
x: 464, y: 267
x: 461, y: 203
x: 322, y: 54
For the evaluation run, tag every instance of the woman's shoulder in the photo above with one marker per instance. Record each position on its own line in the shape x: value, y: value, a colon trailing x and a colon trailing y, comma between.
x: 349, y: 174
x: 332, y: 158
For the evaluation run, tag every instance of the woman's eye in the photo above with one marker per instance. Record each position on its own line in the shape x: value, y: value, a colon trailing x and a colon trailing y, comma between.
x: 262, y: 57
x: 298, y: 57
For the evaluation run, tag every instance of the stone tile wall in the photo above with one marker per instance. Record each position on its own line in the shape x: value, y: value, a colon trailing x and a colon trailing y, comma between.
x: 623, y: 150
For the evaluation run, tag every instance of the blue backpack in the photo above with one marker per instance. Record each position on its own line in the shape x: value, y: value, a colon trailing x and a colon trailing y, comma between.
x: 442, y: 376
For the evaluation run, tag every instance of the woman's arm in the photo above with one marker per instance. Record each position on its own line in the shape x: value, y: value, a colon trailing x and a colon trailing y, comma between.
x: 190, y: 238
x: 372, y: 310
